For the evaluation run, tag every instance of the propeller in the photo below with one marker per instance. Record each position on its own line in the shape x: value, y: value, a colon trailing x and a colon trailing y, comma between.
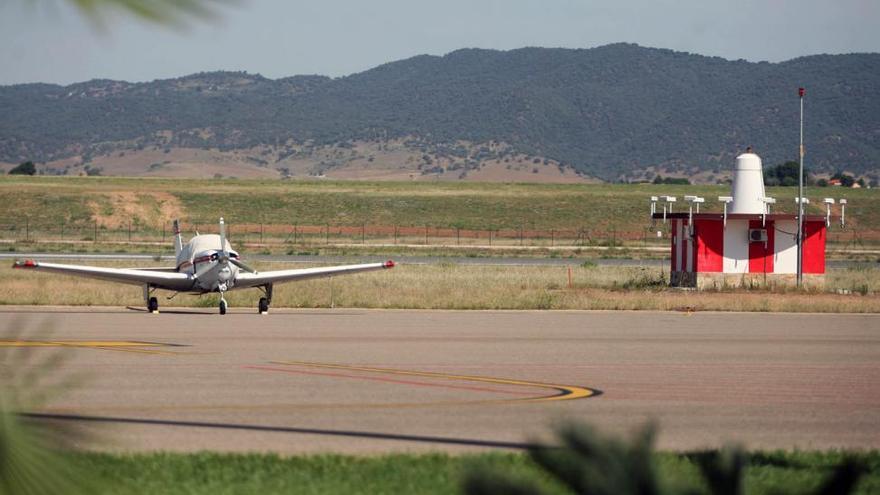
x: 224, y: 254
x: 204, y: 269
x: 223, y: 257
x: 242, y: 265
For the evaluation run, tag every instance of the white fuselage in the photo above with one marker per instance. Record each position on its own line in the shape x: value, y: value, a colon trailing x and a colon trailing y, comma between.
x: 200, y: 257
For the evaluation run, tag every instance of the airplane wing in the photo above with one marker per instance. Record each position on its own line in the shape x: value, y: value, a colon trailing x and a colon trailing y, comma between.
x: 244, y: 279
x: 168, y: 269
x: 161, y: 279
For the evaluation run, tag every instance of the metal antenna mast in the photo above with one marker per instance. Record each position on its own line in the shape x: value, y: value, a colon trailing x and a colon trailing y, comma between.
x: 800, y: 201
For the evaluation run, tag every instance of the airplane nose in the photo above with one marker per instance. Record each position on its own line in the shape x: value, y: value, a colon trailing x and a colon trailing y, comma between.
x: 224, y: 274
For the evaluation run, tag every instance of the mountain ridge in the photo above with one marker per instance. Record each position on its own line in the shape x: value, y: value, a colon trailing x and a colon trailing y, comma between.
x: 613, y: 112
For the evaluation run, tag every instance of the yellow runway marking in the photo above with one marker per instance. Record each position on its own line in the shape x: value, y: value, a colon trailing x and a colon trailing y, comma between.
x: 564, y: 392
x: 107, y: 345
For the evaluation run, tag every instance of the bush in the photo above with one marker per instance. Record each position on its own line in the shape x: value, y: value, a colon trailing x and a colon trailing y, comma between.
x: 846, y: 180
x: 785, y: 174
x: 26, y: 168
x: 671, y: 180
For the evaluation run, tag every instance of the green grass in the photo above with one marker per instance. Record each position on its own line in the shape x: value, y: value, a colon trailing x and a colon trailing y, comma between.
x: 214, y: 473
x: 596, y: 208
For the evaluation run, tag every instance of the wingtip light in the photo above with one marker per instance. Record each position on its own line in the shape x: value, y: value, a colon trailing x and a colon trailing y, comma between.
x: 25, y: 264
x: 389, y: 264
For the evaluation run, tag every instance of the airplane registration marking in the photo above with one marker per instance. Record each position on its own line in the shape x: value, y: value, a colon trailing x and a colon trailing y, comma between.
x: 563, y: 392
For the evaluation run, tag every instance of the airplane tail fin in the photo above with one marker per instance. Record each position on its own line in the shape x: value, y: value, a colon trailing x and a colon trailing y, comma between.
x: 178, y: 240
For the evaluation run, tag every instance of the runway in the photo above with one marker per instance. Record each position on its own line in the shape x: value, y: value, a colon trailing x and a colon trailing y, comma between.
x: 376, y: 381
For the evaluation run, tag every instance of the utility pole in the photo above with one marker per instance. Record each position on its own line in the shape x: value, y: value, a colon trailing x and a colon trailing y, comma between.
x: 800, y: 202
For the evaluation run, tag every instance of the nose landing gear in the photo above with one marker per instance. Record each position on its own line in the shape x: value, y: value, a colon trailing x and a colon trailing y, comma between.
x: 222, y: 304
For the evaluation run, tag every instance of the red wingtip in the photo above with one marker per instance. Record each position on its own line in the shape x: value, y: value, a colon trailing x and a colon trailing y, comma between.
x: 25, y: 264
x: 389, y: 264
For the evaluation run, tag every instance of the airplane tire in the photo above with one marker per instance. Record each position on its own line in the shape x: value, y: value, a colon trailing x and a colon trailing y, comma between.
x: 264, y: 305
x: 222, y: 307
x: 153, y: 305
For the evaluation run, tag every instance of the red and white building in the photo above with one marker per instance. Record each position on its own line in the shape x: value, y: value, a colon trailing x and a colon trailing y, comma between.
x: 745, y: 245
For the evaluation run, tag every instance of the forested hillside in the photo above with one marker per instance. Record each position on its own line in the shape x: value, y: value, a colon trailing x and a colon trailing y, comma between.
x: 608, y: 112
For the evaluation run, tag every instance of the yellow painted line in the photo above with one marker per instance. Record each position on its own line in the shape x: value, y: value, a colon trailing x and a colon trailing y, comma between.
x: 107, y: 345
x: 564, y: 392
x: 277, y: 407
x: 77, y: 343
x: 138, y: 350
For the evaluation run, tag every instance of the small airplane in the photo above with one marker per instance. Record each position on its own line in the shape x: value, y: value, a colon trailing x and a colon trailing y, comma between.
x: 205, y: 264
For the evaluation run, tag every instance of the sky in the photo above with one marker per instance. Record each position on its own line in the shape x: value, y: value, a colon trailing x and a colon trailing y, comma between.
x: 51, y: 41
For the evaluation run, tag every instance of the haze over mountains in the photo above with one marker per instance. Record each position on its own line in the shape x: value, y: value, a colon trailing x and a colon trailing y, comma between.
x: 618, y: 111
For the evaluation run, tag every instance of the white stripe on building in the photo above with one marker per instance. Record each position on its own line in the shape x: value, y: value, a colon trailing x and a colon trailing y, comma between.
x: 736, y: 246
x: 785, y: 257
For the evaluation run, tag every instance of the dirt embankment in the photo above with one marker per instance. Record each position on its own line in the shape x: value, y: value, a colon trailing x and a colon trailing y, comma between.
x: 116, y: 209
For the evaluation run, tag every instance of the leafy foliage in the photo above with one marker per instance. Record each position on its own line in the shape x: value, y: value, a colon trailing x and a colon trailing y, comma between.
x: 156, y: 11
x: 846, y: 180
x: 590, y: 463
x: 30, y: 460
x: 671, y: 180
x: 25, y: 168
x: 785, y: 174
x: 606, y: 111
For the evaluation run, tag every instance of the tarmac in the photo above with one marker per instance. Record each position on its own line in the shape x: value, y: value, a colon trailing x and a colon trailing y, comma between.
x: 380, y: 381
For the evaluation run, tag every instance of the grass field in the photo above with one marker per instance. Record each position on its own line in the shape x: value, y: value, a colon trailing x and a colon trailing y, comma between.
x: 213, y: 473
x: 472, y: 287
x: 71, y: 214
x: 49, y: 205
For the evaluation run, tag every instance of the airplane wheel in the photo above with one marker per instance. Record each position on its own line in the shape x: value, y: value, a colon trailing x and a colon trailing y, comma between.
x: 264, y: 305
x: 153, y: 305
x: 222, y: 306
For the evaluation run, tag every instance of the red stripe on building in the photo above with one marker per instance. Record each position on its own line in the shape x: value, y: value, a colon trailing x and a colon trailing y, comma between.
x: 709, y: 252
x: 814, y: 247
x: 761, y: 253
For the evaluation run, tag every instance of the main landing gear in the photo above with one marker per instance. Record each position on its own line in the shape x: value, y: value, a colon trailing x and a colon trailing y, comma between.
x: 263, y: 306
x: 152, y: 302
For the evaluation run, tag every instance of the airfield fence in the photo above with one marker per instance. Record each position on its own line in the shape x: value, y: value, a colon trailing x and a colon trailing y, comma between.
x: 138, y: 232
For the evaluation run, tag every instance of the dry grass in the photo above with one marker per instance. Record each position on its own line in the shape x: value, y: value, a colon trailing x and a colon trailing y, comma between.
x: 450, y: 286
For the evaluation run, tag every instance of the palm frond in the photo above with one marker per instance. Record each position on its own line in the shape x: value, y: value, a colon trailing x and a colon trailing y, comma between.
x: 168, y: 12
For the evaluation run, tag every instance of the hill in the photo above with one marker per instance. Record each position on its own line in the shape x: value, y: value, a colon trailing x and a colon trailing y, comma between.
x: 618, y: 111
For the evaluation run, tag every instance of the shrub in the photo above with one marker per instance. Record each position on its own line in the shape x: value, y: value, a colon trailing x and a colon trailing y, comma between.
x: 26, y: 168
